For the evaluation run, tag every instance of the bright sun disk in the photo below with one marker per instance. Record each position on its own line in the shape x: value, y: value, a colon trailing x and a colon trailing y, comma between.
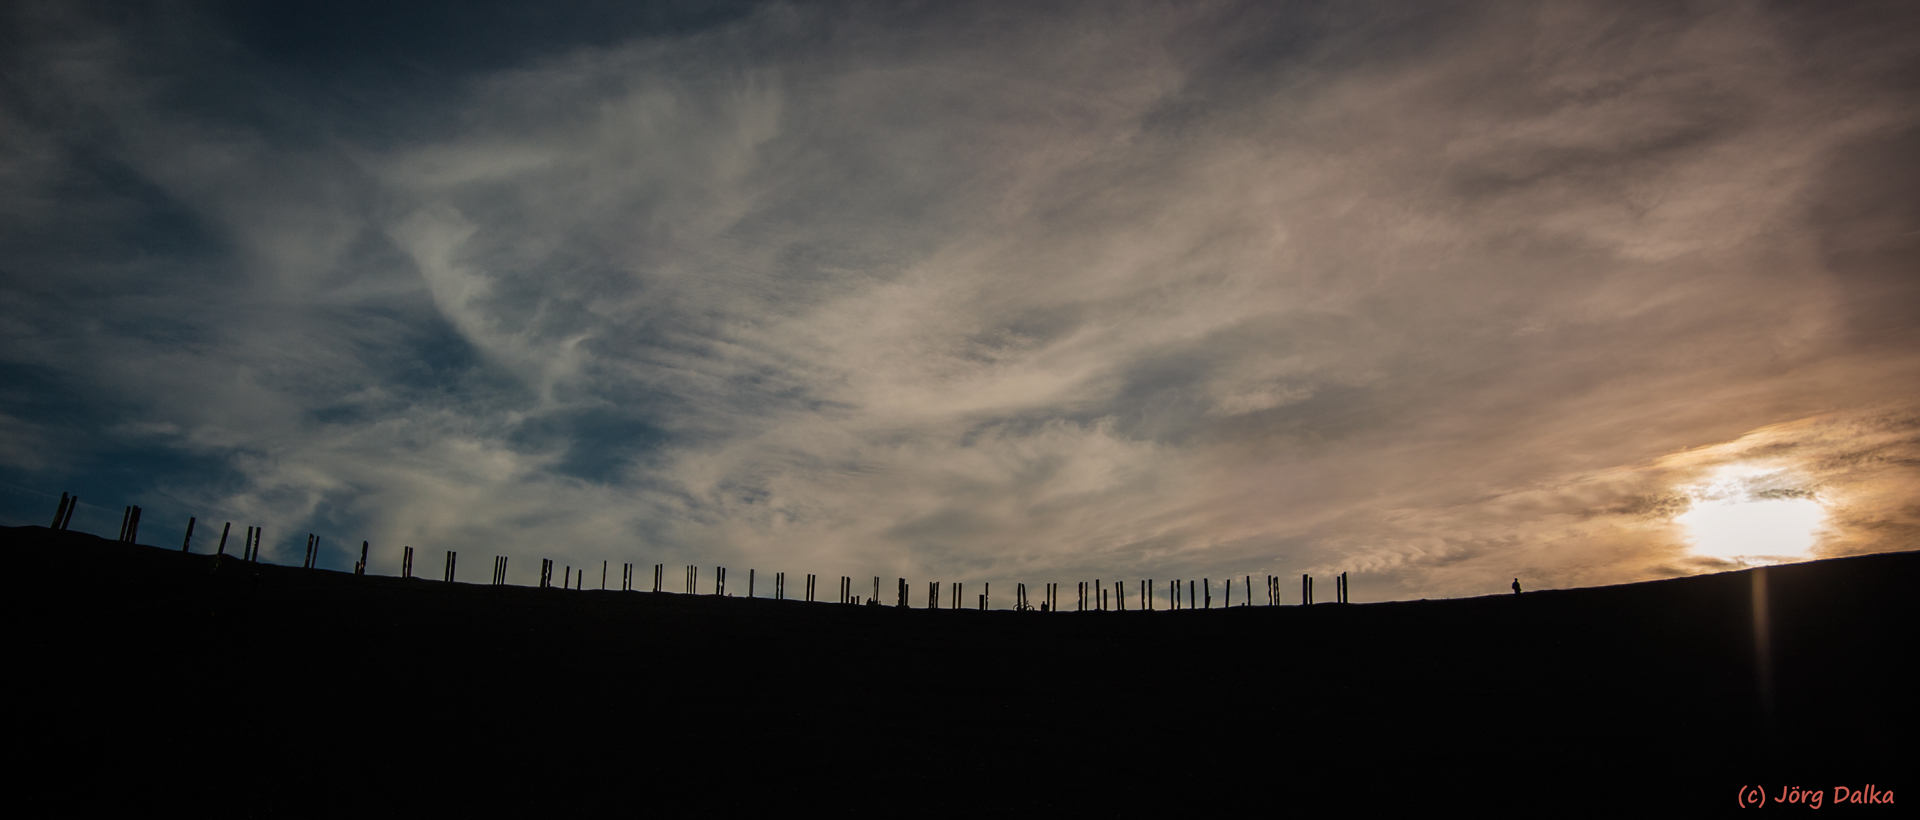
x: 1727, y: 521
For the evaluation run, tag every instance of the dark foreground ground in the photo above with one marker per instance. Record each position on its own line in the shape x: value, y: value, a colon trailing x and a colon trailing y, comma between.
x: 146, y: 677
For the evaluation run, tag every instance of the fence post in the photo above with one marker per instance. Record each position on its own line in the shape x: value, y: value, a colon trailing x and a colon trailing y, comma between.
x: 184, y: 542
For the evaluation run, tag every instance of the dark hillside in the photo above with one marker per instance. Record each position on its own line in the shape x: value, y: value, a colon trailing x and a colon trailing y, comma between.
x: 271, y: 690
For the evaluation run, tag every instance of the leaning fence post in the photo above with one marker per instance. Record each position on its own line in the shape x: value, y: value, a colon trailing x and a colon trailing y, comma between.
x: 184, y: 542
x: 59, y: 513
x: 223, y: 538
x: 66, y: 521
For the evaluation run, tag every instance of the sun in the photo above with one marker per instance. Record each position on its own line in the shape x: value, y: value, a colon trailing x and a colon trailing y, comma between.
x: 1752, y: 516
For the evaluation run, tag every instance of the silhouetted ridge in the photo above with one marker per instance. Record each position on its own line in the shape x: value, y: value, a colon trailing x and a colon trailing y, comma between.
x: 490, y: 696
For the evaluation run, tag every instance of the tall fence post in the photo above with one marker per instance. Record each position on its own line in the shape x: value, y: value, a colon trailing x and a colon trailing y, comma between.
x: 452, y: 561
x: 360, y: 566
x: 130, y: 526
x: 184, y: 542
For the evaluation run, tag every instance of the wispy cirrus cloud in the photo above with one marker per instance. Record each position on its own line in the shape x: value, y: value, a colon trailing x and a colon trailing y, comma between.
x: 1428, y: 293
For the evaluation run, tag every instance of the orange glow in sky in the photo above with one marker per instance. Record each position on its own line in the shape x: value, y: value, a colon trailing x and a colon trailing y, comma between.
x: 1735, y: 518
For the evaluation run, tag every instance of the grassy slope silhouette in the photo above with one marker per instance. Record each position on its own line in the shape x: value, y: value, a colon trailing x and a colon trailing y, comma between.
x: 272, y: 690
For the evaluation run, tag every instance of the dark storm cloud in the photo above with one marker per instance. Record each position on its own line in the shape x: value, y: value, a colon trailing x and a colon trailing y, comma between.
x: 1439, y: 293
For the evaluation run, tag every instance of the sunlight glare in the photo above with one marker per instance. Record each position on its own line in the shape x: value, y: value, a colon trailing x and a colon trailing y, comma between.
x: 1727, y: 521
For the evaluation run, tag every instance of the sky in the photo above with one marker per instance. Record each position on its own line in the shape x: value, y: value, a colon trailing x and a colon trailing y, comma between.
x: 1436, y: 294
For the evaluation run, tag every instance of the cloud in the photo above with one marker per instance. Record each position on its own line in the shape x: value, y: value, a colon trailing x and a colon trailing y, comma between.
x: 1433, y: 294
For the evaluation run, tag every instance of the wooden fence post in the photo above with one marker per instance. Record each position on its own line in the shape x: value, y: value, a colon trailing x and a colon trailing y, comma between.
x: 184, y: 542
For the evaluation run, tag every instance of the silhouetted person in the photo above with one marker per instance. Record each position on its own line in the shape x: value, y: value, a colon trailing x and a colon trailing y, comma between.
x: 1516, y: 586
